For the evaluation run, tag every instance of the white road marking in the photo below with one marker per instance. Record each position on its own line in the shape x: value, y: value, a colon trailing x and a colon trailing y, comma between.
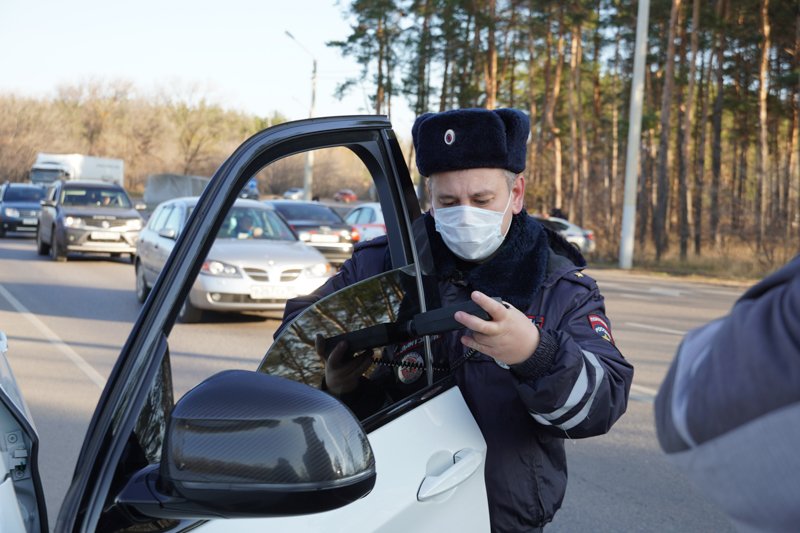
x: 54, y: 339
x: 656, y: 328
x: 640, y: 393
x: 664, y: 292
x: 635, y: 296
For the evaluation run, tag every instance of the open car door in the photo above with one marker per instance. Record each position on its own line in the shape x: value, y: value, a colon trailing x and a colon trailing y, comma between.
x: 267, y: 448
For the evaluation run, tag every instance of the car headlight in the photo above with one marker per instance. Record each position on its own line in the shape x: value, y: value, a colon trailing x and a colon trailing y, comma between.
x: 133, y: 223
x: 218, y: 268
x: 73, y: 222
x: 12, y: 212
x: 304, y: 236
x: 317, y: 271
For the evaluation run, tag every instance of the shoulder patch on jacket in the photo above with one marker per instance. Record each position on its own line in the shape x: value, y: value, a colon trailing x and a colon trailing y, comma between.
x: 601, y: 327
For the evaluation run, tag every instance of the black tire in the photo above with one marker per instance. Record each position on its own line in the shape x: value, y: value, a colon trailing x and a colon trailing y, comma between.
x: 142, y: 290
x: 189, y: 314
x: 57, y: 252
x: 41, y: 247
x: 2, y: 232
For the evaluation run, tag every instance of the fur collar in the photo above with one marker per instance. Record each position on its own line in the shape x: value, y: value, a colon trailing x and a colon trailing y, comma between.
x: 515, y: 272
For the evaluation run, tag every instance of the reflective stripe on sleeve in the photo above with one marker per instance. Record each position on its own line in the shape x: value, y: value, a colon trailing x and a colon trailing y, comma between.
x: 578, y: 392
x: 584, y: 412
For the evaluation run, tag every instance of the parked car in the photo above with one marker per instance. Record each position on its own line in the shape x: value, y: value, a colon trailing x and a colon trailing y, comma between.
x: 266, y: 449
x: 87, y: 217
x: 582, y: 239
x: 345, y: 195
x: 255, y: 264
x: 320, y: 226
x: 294, y: 193
x: 19, y: 207
x: 367, y: 219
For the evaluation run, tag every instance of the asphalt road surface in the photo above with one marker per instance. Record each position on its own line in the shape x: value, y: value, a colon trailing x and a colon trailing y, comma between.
x: 66, y: 323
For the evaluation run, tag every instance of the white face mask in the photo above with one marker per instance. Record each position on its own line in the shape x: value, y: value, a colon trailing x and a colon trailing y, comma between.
x: 471, y: 233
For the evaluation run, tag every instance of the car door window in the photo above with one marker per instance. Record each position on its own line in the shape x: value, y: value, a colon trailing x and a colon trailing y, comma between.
x: 172, y: 220
x: 158, y: 217
x: 352, y: 217
x: 363, y: 216
x: 374, y: 317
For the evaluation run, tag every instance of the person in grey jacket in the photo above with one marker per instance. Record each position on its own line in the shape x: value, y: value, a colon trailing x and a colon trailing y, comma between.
x: 728, y: 412
x: 545, y: 367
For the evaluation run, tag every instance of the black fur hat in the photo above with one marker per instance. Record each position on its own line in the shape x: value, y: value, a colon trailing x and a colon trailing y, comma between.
x: 471, y: 138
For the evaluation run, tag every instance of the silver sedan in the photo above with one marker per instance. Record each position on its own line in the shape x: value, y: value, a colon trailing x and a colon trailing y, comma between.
x: 255, y: 264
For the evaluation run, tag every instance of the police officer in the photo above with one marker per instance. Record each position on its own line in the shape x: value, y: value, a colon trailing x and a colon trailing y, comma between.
x: 545, y: 367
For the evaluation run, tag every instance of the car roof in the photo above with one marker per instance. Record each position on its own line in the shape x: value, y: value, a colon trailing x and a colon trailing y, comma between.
x: 292, y: 202
x: 374, y: 205
x: 191, y: 201
x: 23, y: 185
x: 92, y: 184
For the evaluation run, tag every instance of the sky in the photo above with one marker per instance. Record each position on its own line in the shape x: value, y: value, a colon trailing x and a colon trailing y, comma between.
x: 237, y: 51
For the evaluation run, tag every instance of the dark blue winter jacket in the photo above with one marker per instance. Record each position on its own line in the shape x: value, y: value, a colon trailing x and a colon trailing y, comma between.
x: 574, y: 385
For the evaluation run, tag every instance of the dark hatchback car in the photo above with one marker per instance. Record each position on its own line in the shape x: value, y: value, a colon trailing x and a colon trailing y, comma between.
x: 320, y: 226
x: 87, y: 216
x: 264, y: 448
x: 19, y: 207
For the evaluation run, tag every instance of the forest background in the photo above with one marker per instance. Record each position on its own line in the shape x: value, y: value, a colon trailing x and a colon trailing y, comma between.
x: 719, y: 177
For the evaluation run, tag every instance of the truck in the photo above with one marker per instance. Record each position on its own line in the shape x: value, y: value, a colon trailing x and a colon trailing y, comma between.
x: 163, y: 187
x: 51, y: 167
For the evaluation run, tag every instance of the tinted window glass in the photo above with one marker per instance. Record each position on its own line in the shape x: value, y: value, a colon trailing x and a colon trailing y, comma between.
x: 301, y: 211
x: 95, y: 197
x: 374, y: 315
x: 23, y: 194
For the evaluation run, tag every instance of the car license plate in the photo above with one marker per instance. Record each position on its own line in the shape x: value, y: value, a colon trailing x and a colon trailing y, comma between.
x: 320, y: 237
x: 30, y: 221
x: 261, y: 292
x: 104, y: 236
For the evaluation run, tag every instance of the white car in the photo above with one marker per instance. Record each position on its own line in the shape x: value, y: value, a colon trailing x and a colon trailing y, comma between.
x: 265, y: 449
x: 367, y: 218
x: 294, y: 193
x: 582, y: 239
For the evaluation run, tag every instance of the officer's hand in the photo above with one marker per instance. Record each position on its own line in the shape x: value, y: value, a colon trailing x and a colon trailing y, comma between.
x: 342, y: 369
x: 510, y: 337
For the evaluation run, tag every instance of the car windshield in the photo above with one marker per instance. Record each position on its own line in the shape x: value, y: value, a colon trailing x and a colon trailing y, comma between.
x: 23, y: 194
x: 315, y: 212
x: 95, y: 197
x: 46, y: 175
x: 255, y: 223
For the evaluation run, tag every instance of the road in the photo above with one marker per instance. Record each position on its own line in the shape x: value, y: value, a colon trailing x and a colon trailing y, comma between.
x: 66, y: 323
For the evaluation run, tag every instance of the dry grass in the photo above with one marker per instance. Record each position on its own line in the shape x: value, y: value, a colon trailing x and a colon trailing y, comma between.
x: 736, y: 262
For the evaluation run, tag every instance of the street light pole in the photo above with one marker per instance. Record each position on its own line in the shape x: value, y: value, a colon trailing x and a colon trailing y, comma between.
x: 308, y: 171
x: 634, y: 139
